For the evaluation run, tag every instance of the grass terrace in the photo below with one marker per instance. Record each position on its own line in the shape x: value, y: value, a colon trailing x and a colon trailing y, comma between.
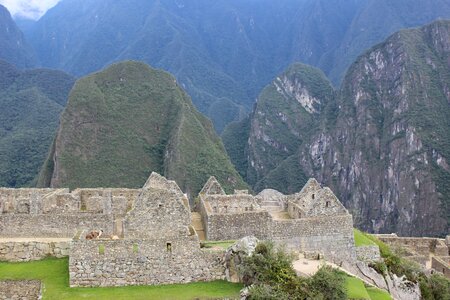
x: 54, y: 274
x: 362, y: 239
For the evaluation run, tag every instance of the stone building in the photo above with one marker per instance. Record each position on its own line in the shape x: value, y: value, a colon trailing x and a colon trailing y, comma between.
x: 154, y: 239
x: 155, y: 244
x: 311, y: 220
x: 158, y: 245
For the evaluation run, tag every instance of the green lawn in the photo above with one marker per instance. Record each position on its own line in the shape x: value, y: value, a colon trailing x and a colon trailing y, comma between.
x: 361, y: 239
x: 54, y: 274
x: 356, y: 289
x: 377, y: 294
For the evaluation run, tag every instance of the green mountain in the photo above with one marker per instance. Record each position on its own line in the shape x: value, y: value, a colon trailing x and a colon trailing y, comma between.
x: 222, y: 52
x: 128, y: 120
x: 13, y: 47
x: 382, y: 142
x: 31, y: 102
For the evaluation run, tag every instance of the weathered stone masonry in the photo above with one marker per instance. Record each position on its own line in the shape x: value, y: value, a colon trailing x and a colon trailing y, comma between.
x: 311, y: 220
x: 154, y: 242
x: 158, y: 247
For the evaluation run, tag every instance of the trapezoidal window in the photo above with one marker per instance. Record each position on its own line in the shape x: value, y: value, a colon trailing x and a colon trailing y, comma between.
x: 313, y: 196
x: 327, y: 204
x: 169, y: 247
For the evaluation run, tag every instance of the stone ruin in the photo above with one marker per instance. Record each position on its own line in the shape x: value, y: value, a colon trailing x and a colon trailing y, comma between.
x: 312, y: 220
x: 148, y: 233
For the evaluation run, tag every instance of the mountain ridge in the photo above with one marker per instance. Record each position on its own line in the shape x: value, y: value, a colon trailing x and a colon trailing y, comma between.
x: 382, y: 144
x: 98, y: 144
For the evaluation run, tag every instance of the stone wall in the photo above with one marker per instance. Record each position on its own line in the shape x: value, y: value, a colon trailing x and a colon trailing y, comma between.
x: 20, y: 289
x: 420, y: 245
x: 236, y: 203
x: 17, y: 251
x: 332, y: 236
x: 142, y: 262
x: 368, y: 253
x: 441, y: 264
x: 62, y: 201
x: 158, y: 212
x: 61, y: 226
x: 237, y: 225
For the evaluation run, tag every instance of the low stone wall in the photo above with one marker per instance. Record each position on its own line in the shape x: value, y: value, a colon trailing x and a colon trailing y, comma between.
x: 142, y: 262
x: 20, y: 289
x: 368, y: 253
x: 441, y: 265
x: 16, y: 251
x: 421, y: 245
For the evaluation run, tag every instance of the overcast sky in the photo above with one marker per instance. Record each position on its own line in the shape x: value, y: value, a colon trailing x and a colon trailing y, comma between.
x: 32, y: 9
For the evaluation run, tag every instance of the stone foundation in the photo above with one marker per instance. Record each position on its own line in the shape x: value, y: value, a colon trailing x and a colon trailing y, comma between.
x: 20, y: 289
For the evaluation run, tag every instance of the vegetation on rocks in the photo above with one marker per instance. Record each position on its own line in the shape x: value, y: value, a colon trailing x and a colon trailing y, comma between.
x: 127, y: 121
x: 432, y: 287
x: 381, y: 142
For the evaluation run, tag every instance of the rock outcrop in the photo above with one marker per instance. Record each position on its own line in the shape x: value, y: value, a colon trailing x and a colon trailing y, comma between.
x: 235, y: 254
x: 380, y: 142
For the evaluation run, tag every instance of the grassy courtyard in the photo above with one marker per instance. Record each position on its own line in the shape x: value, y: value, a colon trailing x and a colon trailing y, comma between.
x: 55, y: 276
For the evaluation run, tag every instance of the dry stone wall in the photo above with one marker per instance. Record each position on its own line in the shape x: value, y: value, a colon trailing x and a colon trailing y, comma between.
x: 142, y: 262
x: 332, y: 236
x: 238, y: 225
x: 16, y: 251
x: 316, y: 221
x: 53, y: 226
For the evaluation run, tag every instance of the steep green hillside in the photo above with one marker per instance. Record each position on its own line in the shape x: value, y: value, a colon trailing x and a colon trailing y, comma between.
x: 382, y: 143
x: 13, y: 47
x: 31, y: 102
x: 127, y: 121
x: 222, y: 52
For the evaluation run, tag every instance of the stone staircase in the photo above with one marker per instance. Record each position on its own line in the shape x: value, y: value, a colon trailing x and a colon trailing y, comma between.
x: 197, y: 224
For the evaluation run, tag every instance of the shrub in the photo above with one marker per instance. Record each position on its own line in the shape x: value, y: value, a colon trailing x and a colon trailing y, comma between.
x: 327, y: 283
x: 269, y: 270
x: 434, y: 287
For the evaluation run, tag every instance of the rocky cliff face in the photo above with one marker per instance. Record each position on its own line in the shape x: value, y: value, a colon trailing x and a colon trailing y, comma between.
x: 127, y: 121
x: 382, y: 143
x: 286, y: 113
